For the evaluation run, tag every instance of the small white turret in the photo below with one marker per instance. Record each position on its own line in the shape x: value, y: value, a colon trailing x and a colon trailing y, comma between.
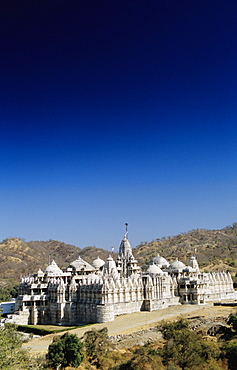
x: 193, y: 263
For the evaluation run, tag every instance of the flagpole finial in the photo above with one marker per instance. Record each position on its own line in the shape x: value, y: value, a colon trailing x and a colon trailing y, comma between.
x: 126, y: 224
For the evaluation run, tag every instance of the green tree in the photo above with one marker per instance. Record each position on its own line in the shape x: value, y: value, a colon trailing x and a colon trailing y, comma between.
x: 232, y: 320
x: 146, y: 358
x: 170, y: 330
x: 230, y: 350
x: 97, y: 345
x: 210, y: 349
x: 55, y: 355
x: 12, y: 356
x: 112, y: 360
x: 183, y: 348
x: 7, y: 292
x: 67, y: 351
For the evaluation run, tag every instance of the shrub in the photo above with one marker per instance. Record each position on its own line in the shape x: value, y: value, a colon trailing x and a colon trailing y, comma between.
x: 97, y: 345
x: 65, y: 352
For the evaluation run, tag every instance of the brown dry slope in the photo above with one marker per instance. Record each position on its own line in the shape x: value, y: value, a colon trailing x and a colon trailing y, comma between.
x: 211, y: 246
x: 18, y: 257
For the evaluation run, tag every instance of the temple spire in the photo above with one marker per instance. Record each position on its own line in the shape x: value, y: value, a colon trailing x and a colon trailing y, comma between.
x: 125, y: 249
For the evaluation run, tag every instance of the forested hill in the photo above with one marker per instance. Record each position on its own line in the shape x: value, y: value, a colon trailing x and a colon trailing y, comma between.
x: 215, y: 249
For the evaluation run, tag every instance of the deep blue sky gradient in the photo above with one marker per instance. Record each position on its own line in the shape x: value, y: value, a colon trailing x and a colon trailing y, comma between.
x: 114, y: 112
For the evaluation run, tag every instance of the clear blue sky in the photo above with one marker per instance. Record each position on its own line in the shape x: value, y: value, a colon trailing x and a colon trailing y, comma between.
x: 114, y: 112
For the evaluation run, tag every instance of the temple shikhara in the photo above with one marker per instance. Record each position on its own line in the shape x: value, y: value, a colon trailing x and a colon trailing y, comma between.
x: 84, y: 293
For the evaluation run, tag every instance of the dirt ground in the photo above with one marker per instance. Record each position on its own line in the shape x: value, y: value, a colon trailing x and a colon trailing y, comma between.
x: 129, y: 330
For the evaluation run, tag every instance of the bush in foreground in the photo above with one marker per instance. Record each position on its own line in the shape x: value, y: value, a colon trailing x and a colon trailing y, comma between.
x: 66, y: 351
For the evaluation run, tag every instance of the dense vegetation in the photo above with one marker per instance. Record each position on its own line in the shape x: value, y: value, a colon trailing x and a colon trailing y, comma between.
x: 12, y: 356
x: 8, y: 290
x: 181, y: 349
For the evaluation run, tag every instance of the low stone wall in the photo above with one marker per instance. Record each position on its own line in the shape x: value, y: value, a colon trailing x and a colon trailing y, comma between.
x: 228, y: 304
x: 19, y: 319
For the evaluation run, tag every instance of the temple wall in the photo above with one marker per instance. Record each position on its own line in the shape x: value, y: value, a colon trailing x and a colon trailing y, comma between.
x: 163, y: 303
x: 105, y: 313
x: 220, y: 296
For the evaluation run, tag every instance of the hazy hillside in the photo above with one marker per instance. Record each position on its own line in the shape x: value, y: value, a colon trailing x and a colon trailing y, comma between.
x: 214, y: 249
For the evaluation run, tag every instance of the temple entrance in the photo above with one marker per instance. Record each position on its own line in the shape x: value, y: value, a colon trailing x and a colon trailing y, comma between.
x: 146, y: 305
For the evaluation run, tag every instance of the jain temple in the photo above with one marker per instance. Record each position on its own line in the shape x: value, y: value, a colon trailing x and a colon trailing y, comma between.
x: 84, y: 293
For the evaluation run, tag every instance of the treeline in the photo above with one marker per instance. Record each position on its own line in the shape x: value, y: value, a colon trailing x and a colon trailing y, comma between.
x: 181, y: 349
x: 8, y: 291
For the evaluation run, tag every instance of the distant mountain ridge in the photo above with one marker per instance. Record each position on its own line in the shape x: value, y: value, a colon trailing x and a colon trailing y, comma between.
x: 18, y: 257
x: 213, y: 248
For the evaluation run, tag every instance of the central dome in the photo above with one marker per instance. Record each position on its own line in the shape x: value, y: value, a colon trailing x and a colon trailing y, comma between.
x: 160, y: 261
x: 98, y: 263
x: 53, y: 270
